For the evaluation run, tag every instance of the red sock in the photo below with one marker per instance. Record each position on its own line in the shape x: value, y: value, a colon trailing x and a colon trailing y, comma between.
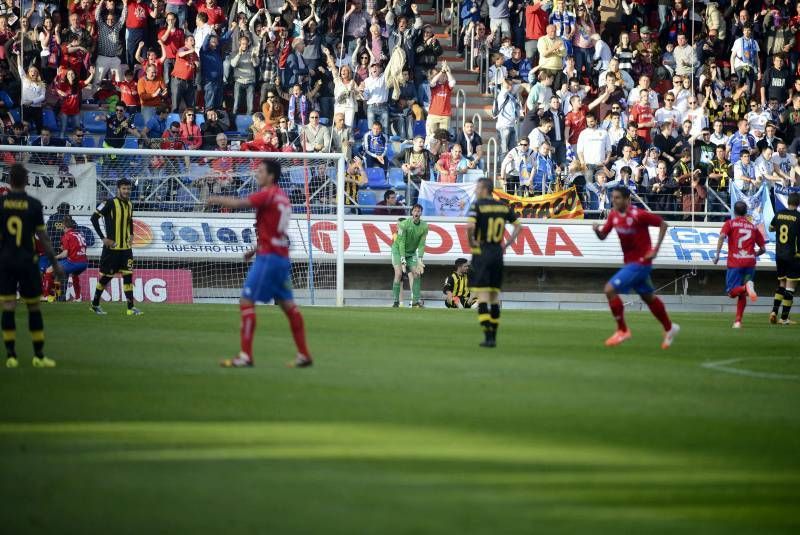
x: 660, y: 312
x: 298, y: 330
x: 248, y: 329
x: 740, y: 304
x: 618, y: 311
x: 736, y: 292
x: 76, y: 286
x: 47, y: 283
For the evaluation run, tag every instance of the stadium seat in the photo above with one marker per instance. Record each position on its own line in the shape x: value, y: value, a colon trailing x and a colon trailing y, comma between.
x: 376, y: 178
x: 361, y: 128
x: 6, y: 99
x: 396, y: 178
x: 49, y: 120
x: 419, y: 128
x: 138, y: 121
x: 15, y: 114
x: 173, y: 117
x: 199, y: 119
x: 243, y: 123
x: 367, y: 198
x: 324, y: 121
x: 131, y: 143
x: 94, y: 121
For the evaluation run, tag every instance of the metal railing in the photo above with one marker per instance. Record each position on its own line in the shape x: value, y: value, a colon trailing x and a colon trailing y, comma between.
x: 491, y: 158
x: 461, y: 106
x: 455, y: 24
x: 477, y: 120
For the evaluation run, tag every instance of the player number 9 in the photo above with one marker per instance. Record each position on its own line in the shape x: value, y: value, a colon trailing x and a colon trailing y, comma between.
x: 14, y: 225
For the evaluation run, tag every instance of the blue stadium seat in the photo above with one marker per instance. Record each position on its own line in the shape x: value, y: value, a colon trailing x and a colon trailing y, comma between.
x: 199, y: 119
x: 49, y: 120
x: 138, y: 121
x: 376, y: 178
x: 243, y: 123
x: 94, y: 121
x: 367, y: 198
x: 419, y: 128
x: 396, y: 178
x: 173, y: 117
x: 131, y: 143
x: 6, y: 100
x: 324, y: 121
x: 361, y: 128
x: 15, y: 114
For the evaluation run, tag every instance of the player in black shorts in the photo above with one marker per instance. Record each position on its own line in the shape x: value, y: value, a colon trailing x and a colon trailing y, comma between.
x: 117, y: 255
x: 486, y: 229
x: 456, y: 286
x: 21, y: 222
x: 786, y: 226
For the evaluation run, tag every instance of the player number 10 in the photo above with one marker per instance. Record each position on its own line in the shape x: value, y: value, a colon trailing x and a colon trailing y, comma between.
x: 14, y: 225
x: 495, y: 229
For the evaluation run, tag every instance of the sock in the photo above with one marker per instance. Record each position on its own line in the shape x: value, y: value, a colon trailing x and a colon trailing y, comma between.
x: 36, y: 327
x: 618, y: 311
x: 787, y: 303
x: 76, y: 286
x: 494, y: 312
x: 396, y: 291
x: 47, y: 283
x: 660, y: 312
x: 248, y: 328
x: 736, y: 292
x: 485, y: 320
x: 416, y: 287
x: 779, y: 297
x: 298, y: 330
x: 57, y: 288
x: 740, y: 304
x: 127, y: 287
x: 9, y: 332
x: 98, y: 290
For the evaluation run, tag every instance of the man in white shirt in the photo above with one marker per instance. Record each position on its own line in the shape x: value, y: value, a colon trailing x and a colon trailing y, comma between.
x: 376, y: 95
x: 684, y: 57
x: 668, y: 112
x: 593, y: 148
x: 626, y: 161
x: 744, y: 57
x: 718, y: 137
x: 644, y: 84
x: 766, y: 169
x: 602, y: 52
x: 506, y: 112
x: 784, y: 160
x: 744, y: 173
x: 540, y: 134
x: 517, y: 166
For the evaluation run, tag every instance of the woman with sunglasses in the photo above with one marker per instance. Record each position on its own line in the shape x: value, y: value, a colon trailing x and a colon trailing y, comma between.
x: 272, y: 107
x: 190, y: 133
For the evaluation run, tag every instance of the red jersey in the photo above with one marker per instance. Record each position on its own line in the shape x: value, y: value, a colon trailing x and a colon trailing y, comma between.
x: 642, y: 114
x: 273, y: 215
x: 128, y: 92
x: 743, y: 236
x: 173, y: 43
x: 577, y: 124
x: 216, y: 15
x: 137, y: 15
x: 440, y: 99
x: 536, y: 20
x: 633, y: 229
x: 73, y: 243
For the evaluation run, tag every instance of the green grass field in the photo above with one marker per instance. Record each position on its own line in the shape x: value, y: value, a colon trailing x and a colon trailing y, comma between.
x: 403, y: 426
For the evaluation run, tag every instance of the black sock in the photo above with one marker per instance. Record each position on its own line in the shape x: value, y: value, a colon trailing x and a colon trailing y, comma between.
x: 485, y: 320
x: 127, y: 287
x: 788, y: 298
x: 9, y: 332
x: 98, y: 290
x: 779, y: 297
x: 36, y: 326
x: 494, y: 311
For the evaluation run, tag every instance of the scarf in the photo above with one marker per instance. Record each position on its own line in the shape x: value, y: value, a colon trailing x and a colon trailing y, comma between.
x: 293, y: 110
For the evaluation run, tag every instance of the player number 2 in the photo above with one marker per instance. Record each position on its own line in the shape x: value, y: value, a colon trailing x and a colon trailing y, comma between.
x: 783, y: 234
x: 744, y: 235
x: 14, y: 225
x: 495, y: 229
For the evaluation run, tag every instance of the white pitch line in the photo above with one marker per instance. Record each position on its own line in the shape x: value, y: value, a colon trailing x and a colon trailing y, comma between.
x: 723, y: 366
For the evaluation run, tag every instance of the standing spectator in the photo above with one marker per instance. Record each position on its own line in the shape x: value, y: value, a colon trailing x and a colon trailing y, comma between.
x: 690, y: 188
x: 341, y: 139
x: 33, y: 95
x: 540, y: 134
x: 375, y: 146
x: 775, y: 82
x: 551, y: 50
x: 244, y: 74
x: 451, y: 165
x: 744, y: 58
x: 685, y: 57
x: 152, y: 58
x: 354, y: 178
x: 295, y: 70
x: 582, y: 42
x: 135, y: 29
x: 517, y: 166
x: 314, y: 136
x: 50, y: 42
x: 180, y: 9
x: 427, y: 52
x: 151, y: 90
x: 442, y: 84
x: 543, y: 174
x: 593, y: 148
x: 740, y: 142
x: 69, y: 91
x: 668, y: 112
x: 506, y: 110
x: 642, y: 114
x: 272, y: 108
x: 376, y: 95
x: 345, y: 90
x: 662, y: 190
x: 182, y: 86
x: 574, y: 121
x: 536, y: 21
x: 718, y: 180
x: 416, y: 162
x: 190, y: 133
x: 499, y: 15
x: 215, y: 17
x: 118, y: 126
x: 109, y: 48
x: 744, y: 173
x: 129, y: 91
x: 471, y: 145
x: 172, y: 38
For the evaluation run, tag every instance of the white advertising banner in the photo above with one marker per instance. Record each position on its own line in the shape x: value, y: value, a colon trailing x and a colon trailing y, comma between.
x: 368, y: 240
x: 52, y: 185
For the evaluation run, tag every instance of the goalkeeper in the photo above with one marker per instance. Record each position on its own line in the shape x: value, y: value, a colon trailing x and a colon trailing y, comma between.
x: 407, y: 251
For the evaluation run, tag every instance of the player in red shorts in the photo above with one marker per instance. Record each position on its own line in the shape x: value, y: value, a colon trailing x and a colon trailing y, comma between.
x: 633, y: 228
x: 742, y: 236
x: 269, y: 276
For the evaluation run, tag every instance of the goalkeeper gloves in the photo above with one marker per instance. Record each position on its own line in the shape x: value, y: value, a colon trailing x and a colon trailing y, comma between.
x: 420, y: 267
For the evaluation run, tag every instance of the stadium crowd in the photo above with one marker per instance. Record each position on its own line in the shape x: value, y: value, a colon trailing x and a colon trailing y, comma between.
x: 673, y: 99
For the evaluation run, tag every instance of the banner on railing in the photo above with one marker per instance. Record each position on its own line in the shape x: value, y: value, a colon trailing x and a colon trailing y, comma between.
x: 446, y: 199
x: 759, y: 207
x: 781, y: 196
x: 185, y: 238
x: 52, y: 184
x: 560, y: 205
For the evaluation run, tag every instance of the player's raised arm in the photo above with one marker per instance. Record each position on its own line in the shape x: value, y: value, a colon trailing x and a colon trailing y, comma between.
x: 235, y: 203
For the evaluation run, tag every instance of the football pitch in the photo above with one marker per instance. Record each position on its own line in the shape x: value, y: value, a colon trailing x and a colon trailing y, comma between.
x: 404, y: 425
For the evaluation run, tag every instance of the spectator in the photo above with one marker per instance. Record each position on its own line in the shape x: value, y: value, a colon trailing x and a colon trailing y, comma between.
x: 244, y: 74
x: 690, y: 189
x: 442, y: 84
x: 719, y: 177
x: 663, y: 188
x: 295, y: 70
x: 190, y: 133
x: 182, y: 86
x: 551, y: 50
x: 33, y: 95
x: 543, y: 174
x: 518, y: 67
x: 354, y: 178
x: 740, y: 142
x: 574, y: 121
x: 118, y: 126
x: 451, y: 165
x: 135, y: 28
x: 210, y: 130
x: 389, y: 205
x: 272, y: 108
x: 152, y: 58
x: 506, y: 110
x: 642, y: 114
x: 593, y: 148
x: 582, y: 42
x: 517, y: 166
x: 345, y: 90
x: 151, y: 91
x: 744, y: 172
x: 172, y: 39
x: 46, y: 139
x: 375, y: 146
x: 426, y: 56
x: 179, y: 8
x: 69, y: 90
x: 129, y: 91
x: 416, y: 163
x: 745, y: 58
x: 536, y: 20
x: 155, y: 126
x: 211, y: 72
x: 471, y: 145
x: 376, y: 96
x: 109, y: 48
x: 315, y: 137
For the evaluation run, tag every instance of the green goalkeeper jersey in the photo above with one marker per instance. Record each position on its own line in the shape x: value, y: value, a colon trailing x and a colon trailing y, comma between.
x: 411, y: 238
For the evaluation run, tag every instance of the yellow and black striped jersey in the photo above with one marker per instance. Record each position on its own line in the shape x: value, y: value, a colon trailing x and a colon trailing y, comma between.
x: 490, y: 217
x: 20, y: 217
x: 118, y: 220
x: 786, y: 226
x: 458, y: 284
